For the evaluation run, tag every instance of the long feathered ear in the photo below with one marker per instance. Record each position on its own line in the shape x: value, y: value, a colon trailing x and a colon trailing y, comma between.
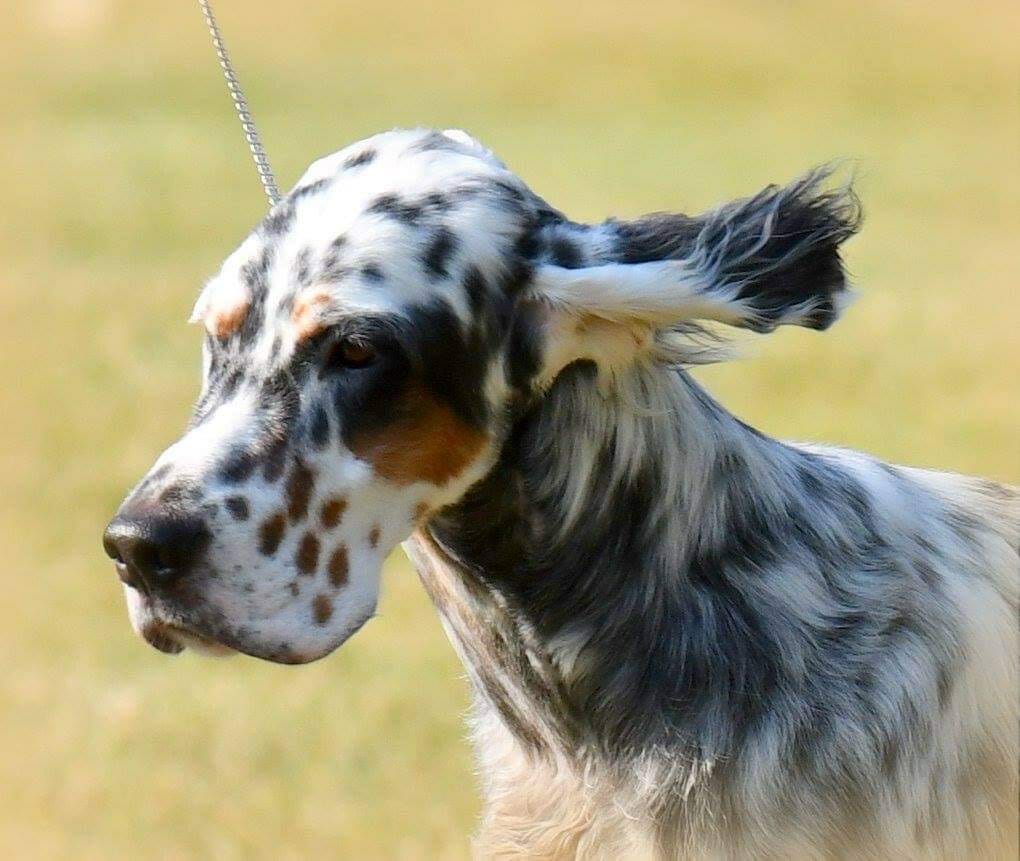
x: 758, y: 263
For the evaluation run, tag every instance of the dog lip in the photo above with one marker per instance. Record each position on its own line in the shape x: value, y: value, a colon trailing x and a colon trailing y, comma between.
x: 128, y: 577
x: 160, y: 637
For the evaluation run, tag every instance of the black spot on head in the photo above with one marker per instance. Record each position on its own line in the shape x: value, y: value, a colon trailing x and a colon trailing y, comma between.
x: 238, y: 466
x: 372, y: 272
x: 255, y: 274
x: 563, y: 251
x: 366, y: 156
x: 438, y: 251
x: 476, y: 289
x: 275, y: 460
x: 308, y: 190
x: 303, y: 267
x: 279, y: 220
x: 333, y: 268
x: 320, y: 426
x: 237, y: 506
x: 392, y: 206
x: 437, y: 201
x: 452, y: 363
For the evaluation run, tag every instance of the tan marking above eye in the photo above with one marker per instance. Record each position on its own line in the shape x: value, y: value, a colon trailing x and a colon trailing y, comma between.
x: 224, y: 322
x: 373, y: 537
x: 429, y: 444
x: 307, y: 313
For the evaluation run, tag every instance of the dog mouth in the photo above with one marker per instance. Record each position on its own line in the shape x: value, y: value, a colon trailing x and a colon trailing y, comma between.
x: 172, y: 639
x: 169, y: 631
x: 171, y: 628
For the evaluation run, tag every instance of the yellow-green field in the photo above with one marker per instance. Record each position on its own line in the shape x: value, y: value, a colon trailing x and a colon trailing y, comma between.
x: 124, y: 182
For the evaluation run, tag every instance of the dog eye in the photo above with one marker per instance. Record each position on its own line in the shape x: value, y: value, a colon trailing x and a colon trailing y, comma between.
x: 350, y: 354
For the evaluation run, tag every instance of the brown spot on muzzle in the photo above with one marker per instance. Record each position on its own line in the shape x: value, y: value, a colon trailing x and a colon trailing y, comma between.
x: 300, y: 484
x: 307, y: 554
x: 271, y: 534
x: 338, y: 565
x: 429, y: 442
x: 332, y: 511
x: 322, y: 609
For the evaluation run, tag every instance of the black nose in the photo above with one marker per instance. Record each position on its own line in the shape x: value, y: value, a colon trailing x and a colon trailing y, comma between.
x: 154, y: 550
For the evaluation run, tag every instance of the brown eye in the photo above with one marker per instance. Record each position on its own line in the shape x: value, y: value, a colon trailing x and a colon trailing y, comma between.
x: 347, y: 353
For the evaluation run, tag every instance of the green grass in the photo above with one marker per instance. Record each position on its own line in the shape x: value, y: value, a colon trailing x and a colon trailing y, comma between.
x: 125, y: 182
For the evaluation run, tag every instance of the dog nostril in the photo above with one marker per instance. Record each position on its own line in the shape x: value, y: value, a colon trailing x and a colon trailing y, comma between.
x: 110, y: 547
x: 147, y: 556
x: 155, y: 549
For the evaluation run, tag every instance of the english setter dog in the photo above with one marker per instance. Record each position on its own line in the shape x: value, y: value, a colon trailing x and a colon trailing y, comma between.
x: 686, y: 640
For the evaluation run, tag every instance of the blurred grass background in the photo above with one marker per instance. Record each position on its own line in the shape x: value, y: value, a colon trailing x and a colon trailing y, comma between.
x: 125, y: 182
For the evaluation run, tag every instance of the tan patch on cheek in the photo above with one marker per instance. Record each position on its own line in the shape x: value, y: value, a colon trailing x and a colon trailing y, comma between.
x: 429, y: 444
x: 224, y: 322
x: 307, y: 313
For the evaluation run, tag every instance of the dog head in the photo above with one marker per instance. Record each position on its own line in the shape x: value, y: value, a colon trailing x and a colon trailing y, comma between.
x: 369, y: 346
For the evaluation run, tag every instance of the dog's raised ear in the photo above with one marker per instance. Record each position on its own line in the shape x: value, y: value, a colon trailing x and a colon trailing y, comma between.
x: 758, y: 263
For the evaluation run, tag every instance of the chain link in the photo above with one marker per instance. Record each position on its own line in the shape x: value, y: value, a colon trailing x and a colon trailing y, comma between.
x: 251, y: 133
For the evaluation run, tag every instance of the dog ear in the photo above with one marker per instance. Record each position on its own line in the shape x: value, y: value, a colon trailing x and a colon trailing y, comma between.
x: 758, y: 263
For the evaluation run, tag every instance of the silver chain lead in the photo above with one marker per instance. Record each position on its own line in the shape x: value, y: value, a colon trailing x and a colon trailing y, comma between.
x: 251, y: 133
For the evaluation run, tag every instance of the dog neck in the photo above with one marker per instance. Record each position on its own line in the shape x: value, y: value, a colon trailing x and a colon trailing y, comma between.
x: 585, y: 580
